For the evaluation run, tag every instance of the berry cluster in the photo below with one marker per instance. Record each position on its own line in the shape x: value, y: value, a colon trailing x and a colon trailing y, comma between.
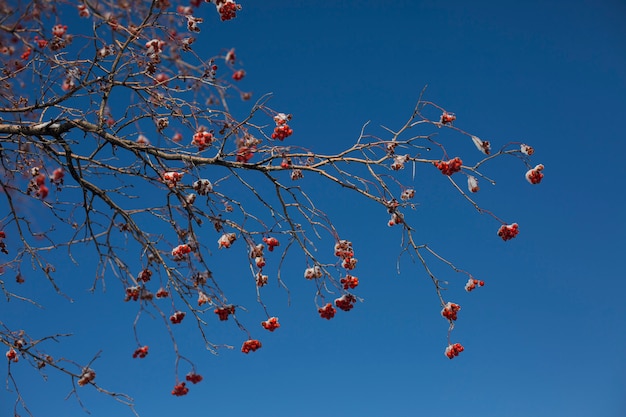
x: 193, y: 377
x: 57, y: 176
x: 177, y: 317
x: 508, y: 231
x: 38, y: 184
x: 473, y: 283
x: 343, y: 250
x: 327, y: 312
x: 227, y: 9
x: 59, y: 30
x: 83, y: 11
x: 345, y: 302
x: 12, y: 355
x: 261, y: 280
x: 238, y: 75
x: 132, y: 293
x: 449, y: 311
x: 203, y: 299
x: 3, y: 245
x: 179, y: 252
x: 313, y: 272
x: 526, y: 149
x: 154, y: 48
x: 226, y: 240
x: 399, y: 161
x: 193, y: 22
x: 250, y: 345
x: 87, y: 376
x: 271, y: 243
x: 472, y: 184
x: 203, y: 187
x: 144, y: 275
x: 245, y: 153
x: 534, y: 176
x: 482, y: 145
x: 407, y: 194
x: 282, y: 132
x: 180, y: 389
x: 172, y: 178
x: 449, y: 167
x: 396, y: 218
x: 282, y: 129
x: 141, y: 352
x: 296, y: 174
x: 224, y: 312
x: 162, y: 293
x: 447, y: 118
x: 202, y: 139
x: 271, y: 324
x: 349, y: 282
x: 454, y: 350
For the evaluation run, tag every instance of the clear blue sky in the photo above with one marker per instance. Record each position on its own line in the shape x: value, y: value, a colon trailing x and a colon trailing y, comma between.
x: 545, y: 337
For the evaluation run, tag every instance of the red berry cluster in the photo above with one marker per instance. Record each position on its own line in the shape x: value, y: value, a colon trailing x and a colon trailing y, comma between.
x: 141, y: 352
x: 526, y: 150
x: 203, y: 187
x: 12, y: 355
x: 449, y: 311
x: 132, y: 293
x: 508, y: 231
x: 26, y: 54
x: 407, y: 194
x: 59, y: 30
x: 202, y: 139
x: 177, y: 317
x: 224, y: 312
x: 345, y: 302
x: 473, y: 283
x: 238, y: 75
x: 449, y: 167
x: 83, y: 11
x: 327, y: 312
x: 271, y: 243
x: 250, y: 345
x: 261, y: 280
x: 172, y: 178
x: 193, y: 377
x: 227, y: 9
x: 154, y: 48
x: 399, y: 161
x: 226, y: 240
x: 144, y: 276
x: 447, y: 118
x: 3, y: 246
x: 87, y: 376
x: 534, y: 176
x: 282, y: 132
x: 180, y: 389
x: 179, y: 252
x: 396, y: 218
x: 38, y: 184
x: 349, y: 282
x: 313, y: 272
x: 245, y: 153
x: 343, y: 250
x: 271, y: 324
x: 162, y: 293
x: 57, y: 176
x: 454, y: 350
x: 203, y: 299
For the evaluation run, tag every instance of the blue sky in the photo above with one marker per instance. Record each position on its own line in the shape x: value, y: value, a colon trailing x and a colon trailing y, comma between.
x: 544, y: 337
